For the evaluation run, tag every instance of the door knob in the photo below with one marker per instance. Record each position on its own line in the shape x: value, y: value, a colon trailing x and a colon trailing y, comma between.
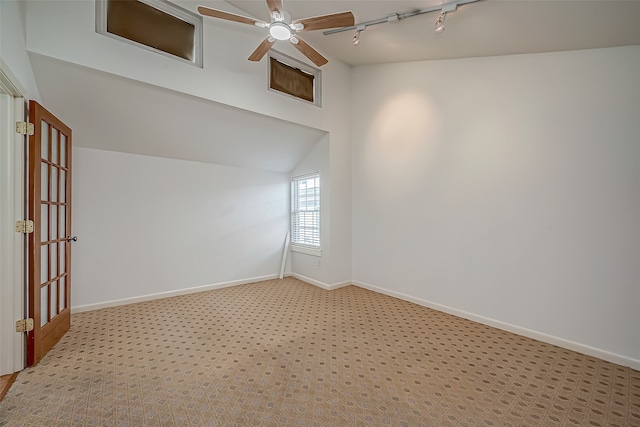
x: 72, y: 239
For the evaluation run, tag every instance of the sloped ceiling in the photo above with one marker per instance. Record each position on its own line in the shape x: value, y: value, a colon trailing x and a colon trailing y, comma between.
x: 113, y: 113
x: 482, y: 28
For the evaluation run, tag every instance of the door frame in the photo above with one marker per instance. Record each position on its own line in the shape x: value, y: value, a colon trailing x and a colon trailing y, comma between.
x: 12, y: 209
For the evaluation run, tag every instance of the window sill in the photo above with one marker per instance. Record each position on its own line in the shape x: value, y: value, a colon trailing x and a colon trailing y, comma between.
x: 306, y: 250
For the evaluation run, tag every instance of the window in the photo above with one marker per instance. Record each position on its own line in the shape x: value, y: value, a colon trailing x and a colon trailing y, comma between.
x: 294, y: 78
x: 305, y: 211
x: 156, y: 25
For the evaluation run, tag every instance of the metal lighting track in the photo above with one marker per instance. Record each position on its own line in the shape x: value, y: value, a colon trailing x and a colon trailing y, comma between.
x: 396, y: 17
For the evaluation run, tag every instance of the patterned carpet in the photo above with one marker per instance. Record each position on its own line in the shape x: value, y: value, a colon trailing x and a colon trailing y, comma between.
x: 285, y: 353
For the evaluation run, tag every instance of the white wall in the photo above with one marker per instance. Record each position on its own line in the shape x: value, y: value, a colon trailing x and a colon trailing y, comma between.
x: 148, y: 225
x: 303, y: 265
x: 506, y: 189
x: 13, y: 30
x: 66, y: 30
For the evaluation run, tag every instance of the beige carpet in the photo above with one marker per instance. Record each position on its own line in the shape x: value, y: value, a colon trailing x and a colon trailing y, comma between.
x: 285, y: 353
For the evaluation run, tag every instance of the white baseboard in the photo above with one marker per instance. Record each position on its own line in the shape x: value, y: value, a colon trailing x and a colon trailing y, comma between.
x: 550, y: 339
x: 318, y: 283
x: 160, y: 295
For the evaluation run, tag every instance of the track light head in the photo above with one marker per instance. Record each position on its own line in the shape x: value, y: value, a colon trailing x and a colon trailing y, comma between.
x: 439, y: 26
x: 356, y: 36
x: 450, y: 7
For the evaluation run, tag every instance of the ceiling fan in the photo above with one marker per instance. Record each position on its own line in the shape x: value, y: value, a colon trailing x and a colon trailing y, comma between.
x: 282, y: 27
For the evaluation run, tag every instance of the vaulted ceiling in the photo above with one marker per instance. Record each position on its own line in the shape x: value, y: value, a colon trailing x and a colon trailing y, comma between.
x: 482, y: 28
x: 114, y: 113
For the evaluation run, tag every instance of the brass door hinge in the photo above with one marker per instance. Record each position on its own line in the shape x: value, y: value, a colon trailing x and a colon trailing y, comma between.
x: 24, y: 325
x: 24, y: 226
x: 24, y: 128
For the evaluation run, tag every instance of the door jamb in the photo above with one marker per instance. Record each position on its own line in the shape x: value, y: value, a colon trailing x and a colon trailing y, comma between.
x: 12, y: 244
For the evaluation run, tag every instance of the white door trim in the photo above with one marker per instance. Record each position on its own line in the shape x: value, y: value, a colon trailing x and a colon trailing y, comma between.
x: 12, y: 208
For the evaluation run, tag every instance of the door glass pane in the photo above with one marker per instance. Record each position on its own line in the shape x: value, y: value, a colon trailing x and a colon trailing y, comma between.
x: 54, y: 222
x: 63, y: 296
x: 54, y: 145
x: 63, y: 186
x: 58, y: 260
x: 63, y: 222
x: 63, y: 149
x: 44, y: 263
x: 44, y: 304
x: 44, y: 181
x: 54, y: 260
x: 63, y: 252
x: 54, y: 299
x: 54, y: 184
x: 44, y: 223
x: 44, y: 139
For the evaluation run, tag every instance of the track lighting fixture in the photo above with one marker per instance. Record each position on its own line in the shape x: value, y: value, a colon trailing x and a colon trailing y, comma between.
x: 356, y: 36
x: 439, y: 27
x: 397, y: 17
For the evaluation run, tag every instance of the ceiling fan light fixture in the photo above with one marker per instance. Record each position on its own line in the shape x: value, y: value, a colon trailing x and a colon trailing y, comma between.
x: 439, y: 26
x: 280, y: 31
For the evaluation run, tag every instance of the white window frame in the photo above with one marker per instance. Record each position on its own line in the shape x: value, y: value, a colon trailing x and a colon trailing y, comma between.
x: 168, y: 8
x: 296, y: 244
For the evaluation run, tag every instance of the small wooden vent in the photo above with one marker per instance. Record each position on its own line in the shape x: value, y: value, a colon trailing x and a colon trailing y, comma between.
x: 141, y: 23
x: 291, y: 80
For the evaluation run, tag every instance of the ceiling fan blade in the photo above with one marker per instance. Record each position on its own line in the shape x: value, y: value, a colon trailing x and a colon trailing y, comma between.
x: 215, y: 13
x: 310, y: 52
x: 274, y: 5
x: 262, y: 49
x: 342, y: 19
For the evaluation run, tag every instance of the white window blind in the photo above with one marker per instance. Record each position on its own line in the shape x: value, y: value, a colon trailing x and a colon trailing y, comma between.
x: 305, y: 210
